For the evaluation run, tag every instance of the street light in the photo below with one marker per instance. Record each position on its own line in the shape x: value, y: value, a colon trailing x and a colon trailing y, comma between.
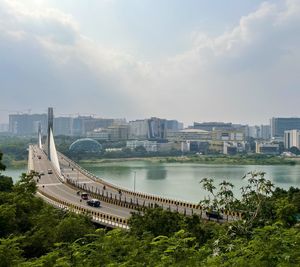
x: 134, y: 185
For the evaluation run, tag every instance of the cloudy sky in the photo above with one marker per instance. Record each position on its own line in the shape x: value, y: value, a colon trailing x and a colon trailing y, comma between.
x: 193, y: 60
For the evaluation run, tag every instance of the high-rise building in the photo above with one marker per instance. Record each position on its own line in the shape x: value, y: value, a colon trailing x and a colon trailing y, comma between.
x: 63, y: 126
x: 279, y: 125
x: 157, y: 129
x: 138, y: 129
x: 292, y: 139
x: 27, y: 124
x: 265, y: 132
x: 254, y: 131
x: 151, y: 129
x: 174, y: 125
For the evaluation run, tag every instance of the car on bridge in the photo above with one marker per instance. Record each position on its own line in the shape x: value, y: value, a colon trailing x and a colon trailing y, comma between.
x: 214, y: 214
x: 94, y: 203
x: 84, y: 195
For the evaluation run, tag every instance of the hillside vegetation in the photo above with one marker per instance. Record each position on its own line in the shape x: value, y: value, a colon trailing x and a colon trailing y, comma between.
x: 33, y: 233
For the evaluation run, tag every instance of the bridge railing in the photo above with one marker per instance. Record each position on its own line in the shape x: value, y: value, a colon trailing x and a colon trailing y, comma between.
x: 156, y: 200
x: 97, y: 216
x: 147, y: 196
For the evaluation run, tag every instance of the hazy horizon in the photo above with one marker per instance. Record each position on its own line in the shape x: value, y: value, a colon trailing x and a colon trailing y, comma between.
x: 232, y: 61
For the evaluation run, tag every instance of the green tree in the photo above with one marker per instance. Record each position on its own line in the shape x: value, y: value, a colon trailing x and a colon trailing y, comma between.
x: 156, y: 221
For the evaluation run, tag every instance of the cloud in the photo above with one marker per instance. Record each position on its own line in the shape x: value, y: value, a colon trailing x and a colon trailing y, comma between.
x: 45, y: 61
x: 248, y: 73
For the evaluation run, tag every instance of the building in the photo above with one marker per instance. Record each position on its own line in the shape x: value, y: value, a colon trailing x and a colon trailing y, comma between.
x: 138, y: 129
x: 157, y: 128
x: 174, y: 125
x: 279, y: 125
x: 27, y: 124
x: 148, y: 129
x: 150, y: 146
x: 228, y: 135
x: 4, y: 127
x: 232, y: 148
x: 63, y: 126
x: 265, y: 132
x: 209, y: 126
x: 91, y: 123
x: 189, y: 135
x: 99, y: 134
x: 267, y: 148
x: 254, y: 132
x: 292, y: 139
x: 118, y: 132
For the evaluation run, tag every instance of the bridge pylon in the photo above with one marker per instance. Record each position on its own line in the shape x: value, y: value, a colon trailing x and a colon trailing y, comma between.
x: 40, y: 136
x: 51, y: 148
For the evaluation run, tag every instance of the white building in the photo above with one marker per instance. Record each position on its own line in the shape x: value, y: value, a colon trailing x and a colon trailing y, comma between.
x: 292, y: 139
x: 150, y: 146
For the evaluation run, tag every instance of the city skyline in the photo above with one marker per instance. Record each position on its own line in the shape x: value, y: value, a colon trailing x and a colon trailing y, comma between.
x: 191, y: 60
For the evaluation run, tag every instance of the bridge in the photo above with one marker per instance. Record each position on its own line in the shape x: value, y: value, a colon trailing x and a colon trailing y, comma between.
x: 62, y: 179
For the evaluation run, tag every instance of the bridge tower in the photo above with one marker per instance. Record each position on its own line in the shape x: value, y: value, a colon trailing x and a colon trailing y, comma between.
x: 51, y: 148
x: 40, y: 136
x: 50, y: 129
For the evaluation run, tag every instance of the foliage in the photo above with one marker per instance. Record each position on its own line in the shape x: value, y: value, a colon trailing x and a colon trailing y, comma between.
x: 32, y: 233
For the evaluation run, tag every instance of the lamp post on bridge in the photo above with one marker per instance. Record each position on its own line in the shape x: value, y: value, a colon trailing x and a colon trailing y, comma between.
x: 134, y: 178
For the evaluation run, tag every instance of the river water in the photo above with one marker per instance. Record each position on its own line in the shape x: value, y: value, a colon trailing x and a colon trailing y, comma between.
x: 181, y: 180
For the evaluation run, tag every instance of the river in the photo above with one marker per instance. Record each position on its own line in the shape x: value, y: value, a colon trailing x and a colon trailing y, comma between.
x: 181, y: 180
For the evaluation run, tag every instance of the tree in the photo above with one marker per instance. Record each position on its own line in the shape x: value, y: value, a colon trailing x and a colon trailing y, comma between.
x: 156, y: 221
x: 295, y: 150
x: 6, y: 183
x: 217, y: 200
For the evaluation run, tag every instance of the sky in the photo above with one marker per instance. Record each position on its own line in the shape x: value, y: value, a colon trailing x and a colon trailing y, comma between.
x: 192, y: 60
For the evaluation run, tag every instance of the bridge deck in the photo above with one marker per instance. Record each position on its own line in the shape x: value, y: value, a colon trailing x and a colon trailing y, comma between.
x: 115, y: 201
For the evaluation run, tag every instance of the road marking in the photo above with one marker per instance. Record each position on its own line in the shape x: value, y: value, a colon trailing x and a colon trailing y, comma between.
x: 52, y: 184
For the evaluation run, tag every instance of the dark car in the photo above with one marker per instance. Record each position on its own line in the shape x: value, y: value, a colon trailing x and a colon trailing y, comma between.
x: 84, y: 195
x: 214, y: 214
x: 93, y: 203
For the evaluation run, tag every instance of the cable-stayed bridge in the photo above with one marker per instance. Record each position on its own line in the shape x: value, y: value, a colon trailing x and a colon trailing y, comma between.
x: 63, y: 179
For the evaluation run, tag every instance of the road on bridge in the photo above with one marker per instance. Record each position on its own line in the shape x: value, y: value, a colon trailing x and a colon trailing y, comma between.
x: 52, y: 185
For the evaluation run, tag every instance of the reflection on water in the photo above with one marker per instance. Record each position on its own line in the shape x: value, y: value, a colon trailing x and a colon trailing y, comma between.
x: 156, y: 172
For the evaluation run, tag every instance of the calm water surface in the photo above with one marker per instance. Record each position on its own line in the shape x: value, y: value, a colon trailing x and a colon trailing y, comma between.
x: 15, y: 173
x: 181, y: 180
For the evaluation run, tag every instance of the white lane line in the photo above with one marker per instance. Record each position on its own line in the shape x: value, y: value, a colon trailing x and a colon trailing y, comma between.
x: 66, y: 190
x: 52, y: 184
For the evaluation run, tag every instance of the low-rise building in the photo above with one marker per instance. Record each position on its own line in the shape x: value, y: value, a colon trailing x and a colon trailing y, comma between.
x: 150, y: 146
x: 189, y: 135
x: 232, y: 148
x: 267, y: 148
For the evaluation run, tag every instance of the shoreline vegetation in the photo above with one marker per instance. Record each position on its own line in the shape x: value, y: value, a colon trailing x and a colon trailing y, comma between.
x: 203, y: 159
x: 195, y: 159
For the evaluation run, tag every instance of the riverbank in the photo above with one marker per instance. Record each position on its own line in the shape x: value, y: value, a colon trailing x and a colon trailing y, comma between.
x: 15, y: 164
x: 203, y: 159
